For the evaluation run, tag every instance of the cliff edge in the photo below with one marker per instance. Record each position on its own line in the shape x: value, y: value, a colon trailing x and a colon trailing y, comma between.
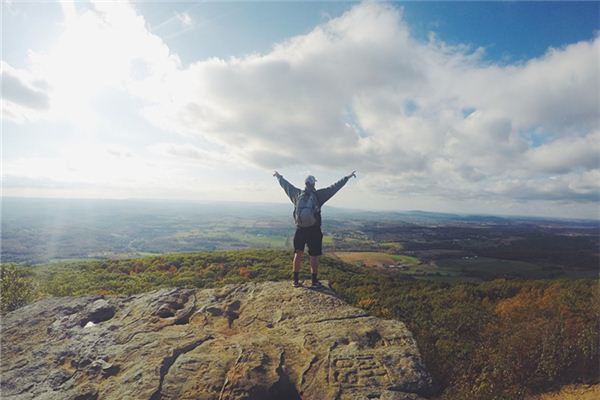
x: 248, y: 341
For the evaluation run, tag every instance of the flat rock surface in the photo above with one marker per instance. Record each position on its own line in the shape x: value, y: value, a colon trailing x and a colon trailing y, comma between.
x: 249, y: 341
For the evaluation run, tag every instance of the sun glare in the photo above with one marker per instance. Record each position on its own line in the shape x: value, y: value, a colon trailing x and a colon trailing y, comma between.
x: 100, y: 50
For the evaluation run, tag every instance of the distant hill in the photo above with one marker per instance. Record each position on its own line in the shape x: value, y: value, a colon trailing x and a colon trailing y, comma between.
x: 36, y: 231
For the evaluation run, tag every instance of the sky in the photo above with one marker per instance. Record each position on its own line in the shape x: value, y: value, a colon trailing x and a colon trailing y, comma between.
x: 475, y: 107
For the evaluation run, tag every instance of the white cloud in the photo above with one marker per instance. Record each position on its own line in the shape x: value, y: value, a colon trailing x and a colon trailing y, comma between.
x: 103, y: 48
x: 408, y: 102
x: 24, y: 97
x: 184, y: 19
x: 191, y: 153
x: 567, y: 153
x: 98, y: 169
x: 357, y: 92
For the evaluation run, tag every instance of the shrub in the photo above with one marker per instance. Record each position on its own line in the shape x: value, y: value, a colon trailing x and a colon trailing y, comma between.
x: 16, y: 289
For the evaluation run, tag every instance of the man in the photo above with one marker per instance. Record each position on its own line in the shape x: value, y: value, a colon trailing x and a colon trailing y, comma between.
x: 307, y: 215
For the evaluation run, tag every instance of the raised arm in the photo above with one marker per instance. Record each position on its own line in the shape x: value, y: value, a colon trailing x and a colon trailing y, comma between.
x: 326, y: 193
x: 291, y: 191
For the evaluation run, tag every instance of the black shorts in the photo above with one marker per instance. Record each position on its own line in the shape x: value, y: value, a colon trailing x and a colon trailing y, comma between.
x: 311, y: 236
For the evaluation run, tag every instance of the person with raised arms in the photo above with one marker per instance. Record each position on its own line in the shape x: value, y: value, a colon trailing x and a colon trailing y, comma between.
x: 307, y: 216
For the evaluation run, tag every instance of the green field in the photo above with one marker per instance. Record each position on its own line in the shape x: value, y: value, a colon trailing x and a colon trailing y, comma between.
x: 353, y: 241
x: 328, y: 240
x: 376, y: 259
x: 460, y: 269
x: 259, y: 240
x: 391, y: 246
x: 492, y: 268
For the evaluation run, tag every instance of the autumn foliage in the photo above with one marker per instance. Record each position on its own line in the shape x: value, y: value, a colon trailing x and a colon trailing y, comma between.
x: 539, y: 338
x: 244, y: 272
x: 501, y: 339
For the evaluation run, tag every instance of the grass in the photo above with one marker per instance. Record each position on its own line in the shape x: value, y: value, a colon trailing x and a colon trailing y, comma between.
x: 456, y: 269
x: 391, y: 246
x: 376, y: 259
x: 328, y: 240
x: 490, y: 268
x: 355, y: 241
x: 259, y: 240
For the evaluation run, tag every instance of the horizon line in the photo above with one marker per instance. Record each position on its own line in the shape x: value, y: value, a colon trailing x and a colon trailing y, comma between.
x: 382, y: 210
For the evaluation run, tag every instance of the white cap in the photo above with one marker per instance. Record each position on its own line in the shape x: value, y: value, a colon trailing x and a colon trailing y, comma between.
x: 310, y: 180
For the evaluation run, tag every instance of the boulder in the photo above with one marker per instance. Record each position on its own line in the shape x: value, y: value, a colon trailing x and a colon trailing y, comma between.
x: 248, y: 341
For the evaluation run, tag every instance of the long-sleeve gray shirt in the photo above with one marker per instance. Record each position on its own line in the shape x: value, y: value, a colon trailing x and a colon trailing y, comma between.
x: 322, y: 194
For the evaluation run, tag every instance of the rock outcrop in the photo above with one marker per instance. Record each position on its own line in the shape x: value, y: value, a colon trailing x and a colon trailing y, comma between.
x: 251, y: 341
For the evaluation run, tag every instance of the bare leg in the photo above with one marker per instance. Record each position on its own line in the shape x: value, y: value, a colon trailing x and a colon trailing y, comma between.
x: 314, y: 264
x: 298, y: 261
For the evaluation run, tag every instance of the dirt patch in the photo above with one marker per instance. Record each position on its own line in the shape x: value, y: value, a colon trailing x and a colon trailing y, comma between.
x: 571, y: 392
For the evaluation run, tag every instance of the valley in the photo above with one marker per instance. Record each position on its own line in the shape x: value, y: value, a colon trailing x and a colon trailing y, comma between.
x: 423, y: 245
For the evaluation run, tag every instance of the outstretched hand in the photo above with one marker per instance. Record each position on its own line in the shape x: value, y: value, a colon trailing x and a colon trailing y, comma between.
x: 353, y: 174
x: 276, y: 174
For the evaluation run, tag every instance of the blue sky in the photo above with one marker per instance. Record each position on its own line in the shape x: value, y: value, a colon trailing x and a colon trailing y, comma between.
x: 462, y: 107
x: 510, y: 31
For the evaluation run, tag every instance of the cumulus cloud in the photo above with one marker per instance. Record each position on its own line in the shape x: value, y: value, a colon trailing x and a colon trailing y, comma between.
x: 567, y: 153
x: 23, y: 96
x: 104, y: 47
x: 359, y: 92
x: 15, y: 90
x: 568, y: 187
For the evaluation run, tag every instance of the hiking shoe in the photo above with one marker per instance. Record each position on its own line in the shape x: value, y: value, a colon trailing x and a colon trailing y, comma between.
x: 296, y: 284
x: 316, y: 284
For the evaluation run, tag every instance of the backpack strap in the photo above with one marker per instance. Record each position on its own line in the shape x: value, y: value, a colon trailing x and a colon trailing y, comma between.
x: 313, y: 194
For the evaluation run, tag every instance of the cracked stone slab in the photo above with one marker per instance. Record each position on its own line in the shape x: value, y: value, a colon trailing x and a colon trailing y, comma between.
x: 249, y: 341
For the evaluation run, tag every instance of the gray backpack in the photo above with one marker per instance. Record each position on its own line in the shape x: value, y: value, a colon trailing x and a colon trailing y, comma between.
x: 307, y: 208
